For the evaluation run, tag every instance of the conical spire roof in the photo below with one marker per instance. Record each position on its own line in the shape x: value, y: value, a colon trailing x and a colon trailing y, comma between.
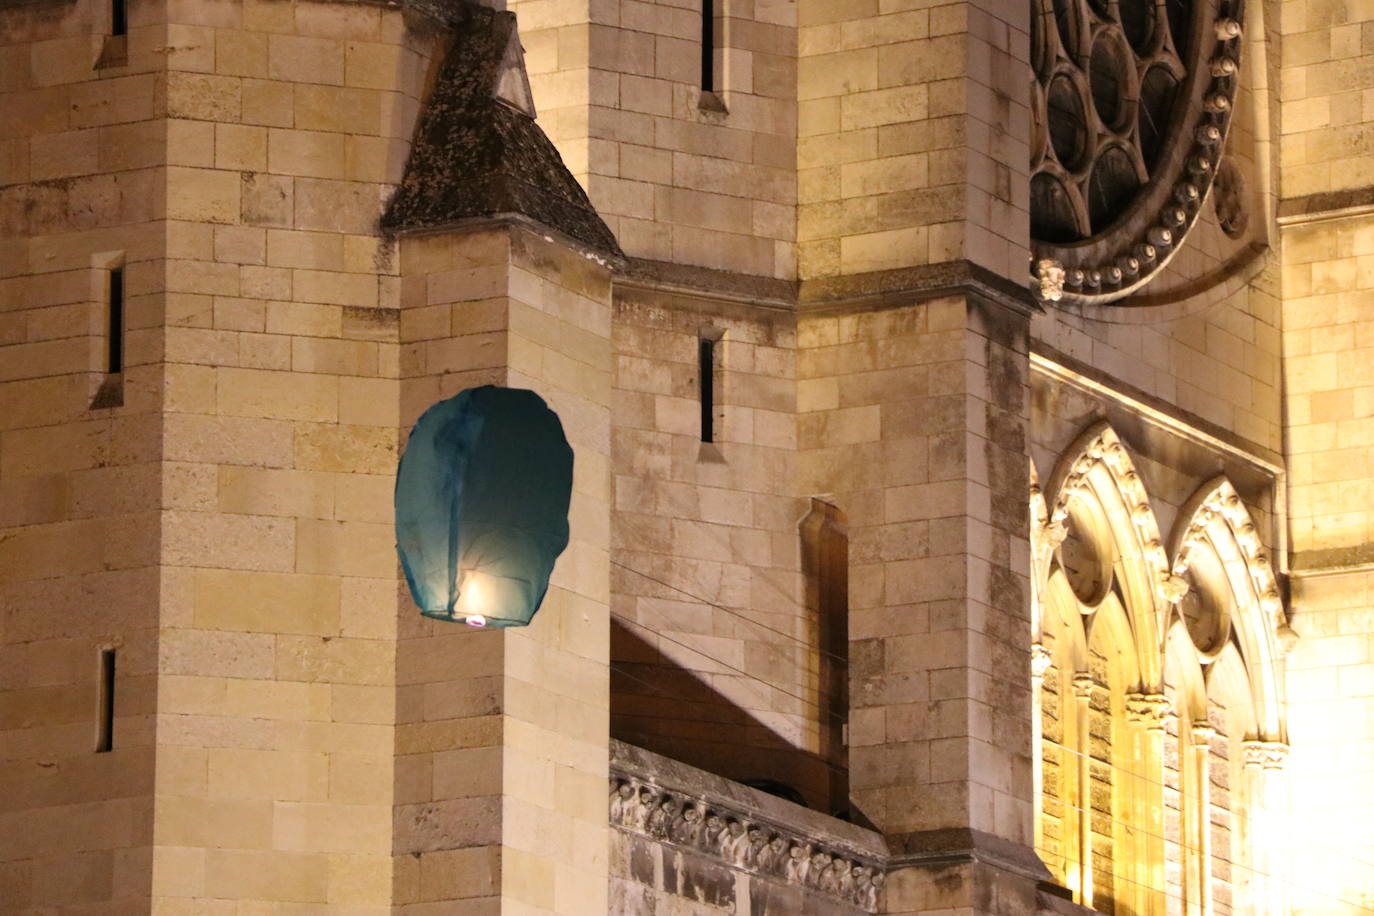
x: 478, y: 151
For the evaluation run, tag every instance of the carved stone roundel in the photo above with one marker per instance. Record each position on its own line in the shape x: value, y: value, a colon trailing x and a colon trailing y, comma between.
x: 1131, y: 103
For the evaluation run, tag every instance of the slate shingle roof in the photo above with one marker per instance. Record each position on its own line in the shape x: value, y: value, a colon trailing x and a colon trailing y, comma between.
x: 476, y: 156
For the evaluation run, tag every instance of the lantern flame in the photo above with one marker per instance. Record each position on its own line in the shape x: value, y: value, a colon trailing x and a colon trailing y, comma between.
x: 472, y: 599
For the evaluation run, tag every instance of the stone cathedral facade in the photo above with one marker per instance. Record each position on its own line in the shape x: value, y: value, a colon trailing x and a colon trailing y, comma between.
x: 972, y: 404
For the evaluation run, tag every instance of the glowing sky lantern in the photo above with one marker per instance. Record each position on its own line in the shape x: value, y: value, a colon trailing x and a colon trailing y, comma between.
x: 482, y: 506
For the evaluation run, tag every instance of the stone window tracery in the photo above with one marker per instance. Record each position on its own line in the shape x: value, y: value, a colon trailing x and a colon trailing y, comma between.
x: 1131, y: 103
x: 1152, y: 678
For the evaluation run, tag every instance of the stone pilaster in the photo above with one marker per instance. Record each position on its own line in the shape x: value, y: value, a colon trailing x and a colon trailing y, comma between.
x: 502, y: 735
x: 1264, y: 769
x: 1082, y: 707
x: 1199, y: 853
x: 1148, y: 716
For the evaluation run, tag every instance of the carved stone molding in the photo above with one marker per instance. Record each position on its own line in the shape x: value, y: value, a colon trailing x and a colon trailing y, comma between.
x: 1272, y: 755
x: 1131, y: 103
x: 707, y: 823
x: 1203, y: 733
x: 1217, y: 502
x: 1100, y: 448
x: 1153, y: 710
x: 743, y: 842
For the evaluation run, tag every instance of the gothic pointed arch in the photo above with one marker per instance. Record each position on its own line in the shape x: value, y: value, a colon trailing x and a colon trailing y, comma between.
x: 1112, y: 538
x: 1215, y: 548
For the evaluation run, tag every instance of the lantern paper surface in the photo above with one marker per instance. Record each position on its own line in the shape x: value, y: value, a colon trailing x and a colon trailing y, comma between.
x: 482, y: 498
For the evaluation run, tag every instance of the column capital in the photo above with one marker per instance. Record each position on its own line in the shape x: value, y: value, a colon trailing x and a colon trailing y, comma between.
x: 1083, y: 685
x: 1153, y: 710
x: 1203, y: 733
x: 1272, y: 755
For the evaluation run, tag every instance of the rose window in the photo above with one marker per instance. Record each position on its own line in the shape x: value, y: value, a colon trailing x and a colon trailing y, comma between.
x: 1131, y: 103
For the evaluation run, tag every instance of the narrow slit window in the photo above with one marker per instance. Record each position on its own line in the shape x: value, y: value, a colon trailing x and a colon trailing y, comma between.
x: 119, y: 17
x: 115, y: 348
x: 104, y: 731
x: 708, y: 46
x: 706, y: 380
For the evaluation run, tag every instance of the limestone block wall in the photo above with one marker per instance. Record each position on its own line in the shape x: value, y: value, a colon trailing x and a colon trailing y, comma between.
x: 1213, y: 358
x: 1204, y: 337
x: 677, y: 177
x: 1329, y: 384
x: 912, y: 138
x: 1325, y: 126
x: 81, y: 182
x: 1328, y: 351
x: 715, y: 651
x: 276, y: 691
x: 1329, y: 378
x: 914, y: 419
x: 501, y: 739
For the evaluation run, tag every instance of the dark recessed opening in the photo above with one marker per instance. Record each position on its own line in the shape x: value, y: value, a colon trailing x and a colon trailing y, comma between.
x: 1068, y: 130
x: 1053, y: 215
x: 1111, y: 188
x: 706, y: 387
x: 115, y: 338
x: 1138, y: 22
x: 708, y: 46
x: 1107, y: 79
x: 1180, y: 24
x: 1066, y: 18
x: 104, y: 730
x: 1157, y: 91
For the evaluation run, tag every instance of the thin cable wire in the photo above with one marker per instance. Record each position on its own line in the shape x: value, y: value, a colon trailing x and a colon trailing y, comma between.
x: 747, y: 619
x: 838, y: 718
x: 1181, y: 845
x: 659, y: 690
x: 841, y: 771
x: 724, y: 664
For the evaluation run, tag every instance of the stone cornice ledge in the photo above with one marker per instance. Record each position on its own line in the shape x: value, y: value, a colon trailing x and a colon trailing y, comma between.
x: 677, y: 804
x: 832, y: 295
x: 1326, y: 206
x: 889, y: 288
x: 957, y: 845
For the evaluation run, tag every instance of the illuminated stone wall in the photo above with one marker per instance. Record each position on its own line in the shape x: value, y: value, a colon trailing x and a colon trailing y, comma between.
x: 845, y: 218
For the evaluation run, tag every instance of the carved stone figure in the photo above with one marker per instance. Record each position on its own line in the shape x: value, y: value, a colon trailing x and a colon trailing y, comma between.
x: 758, y: 842
x: 798, y: 860
x: 875, y: 887
x: 687, y: 828
x: 830, y: 878
x: 862, y: 883
x: 774, y: 856
x: 820, y: 861
x: 713, y: 834
x: 733, y: 843
x: 622, y: 803
x: 662, y: 818
x: 845, y: 877
x: 644, y: 809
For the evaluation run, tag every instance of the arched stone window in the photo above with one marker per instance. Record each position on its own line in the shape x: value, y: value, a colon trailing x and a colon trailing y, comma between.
x: 1155, y: 684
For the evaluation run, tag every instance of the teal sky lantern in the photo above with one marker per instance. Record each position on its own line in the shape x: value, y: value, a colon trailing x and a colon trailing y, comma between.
x: 482, y: 498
